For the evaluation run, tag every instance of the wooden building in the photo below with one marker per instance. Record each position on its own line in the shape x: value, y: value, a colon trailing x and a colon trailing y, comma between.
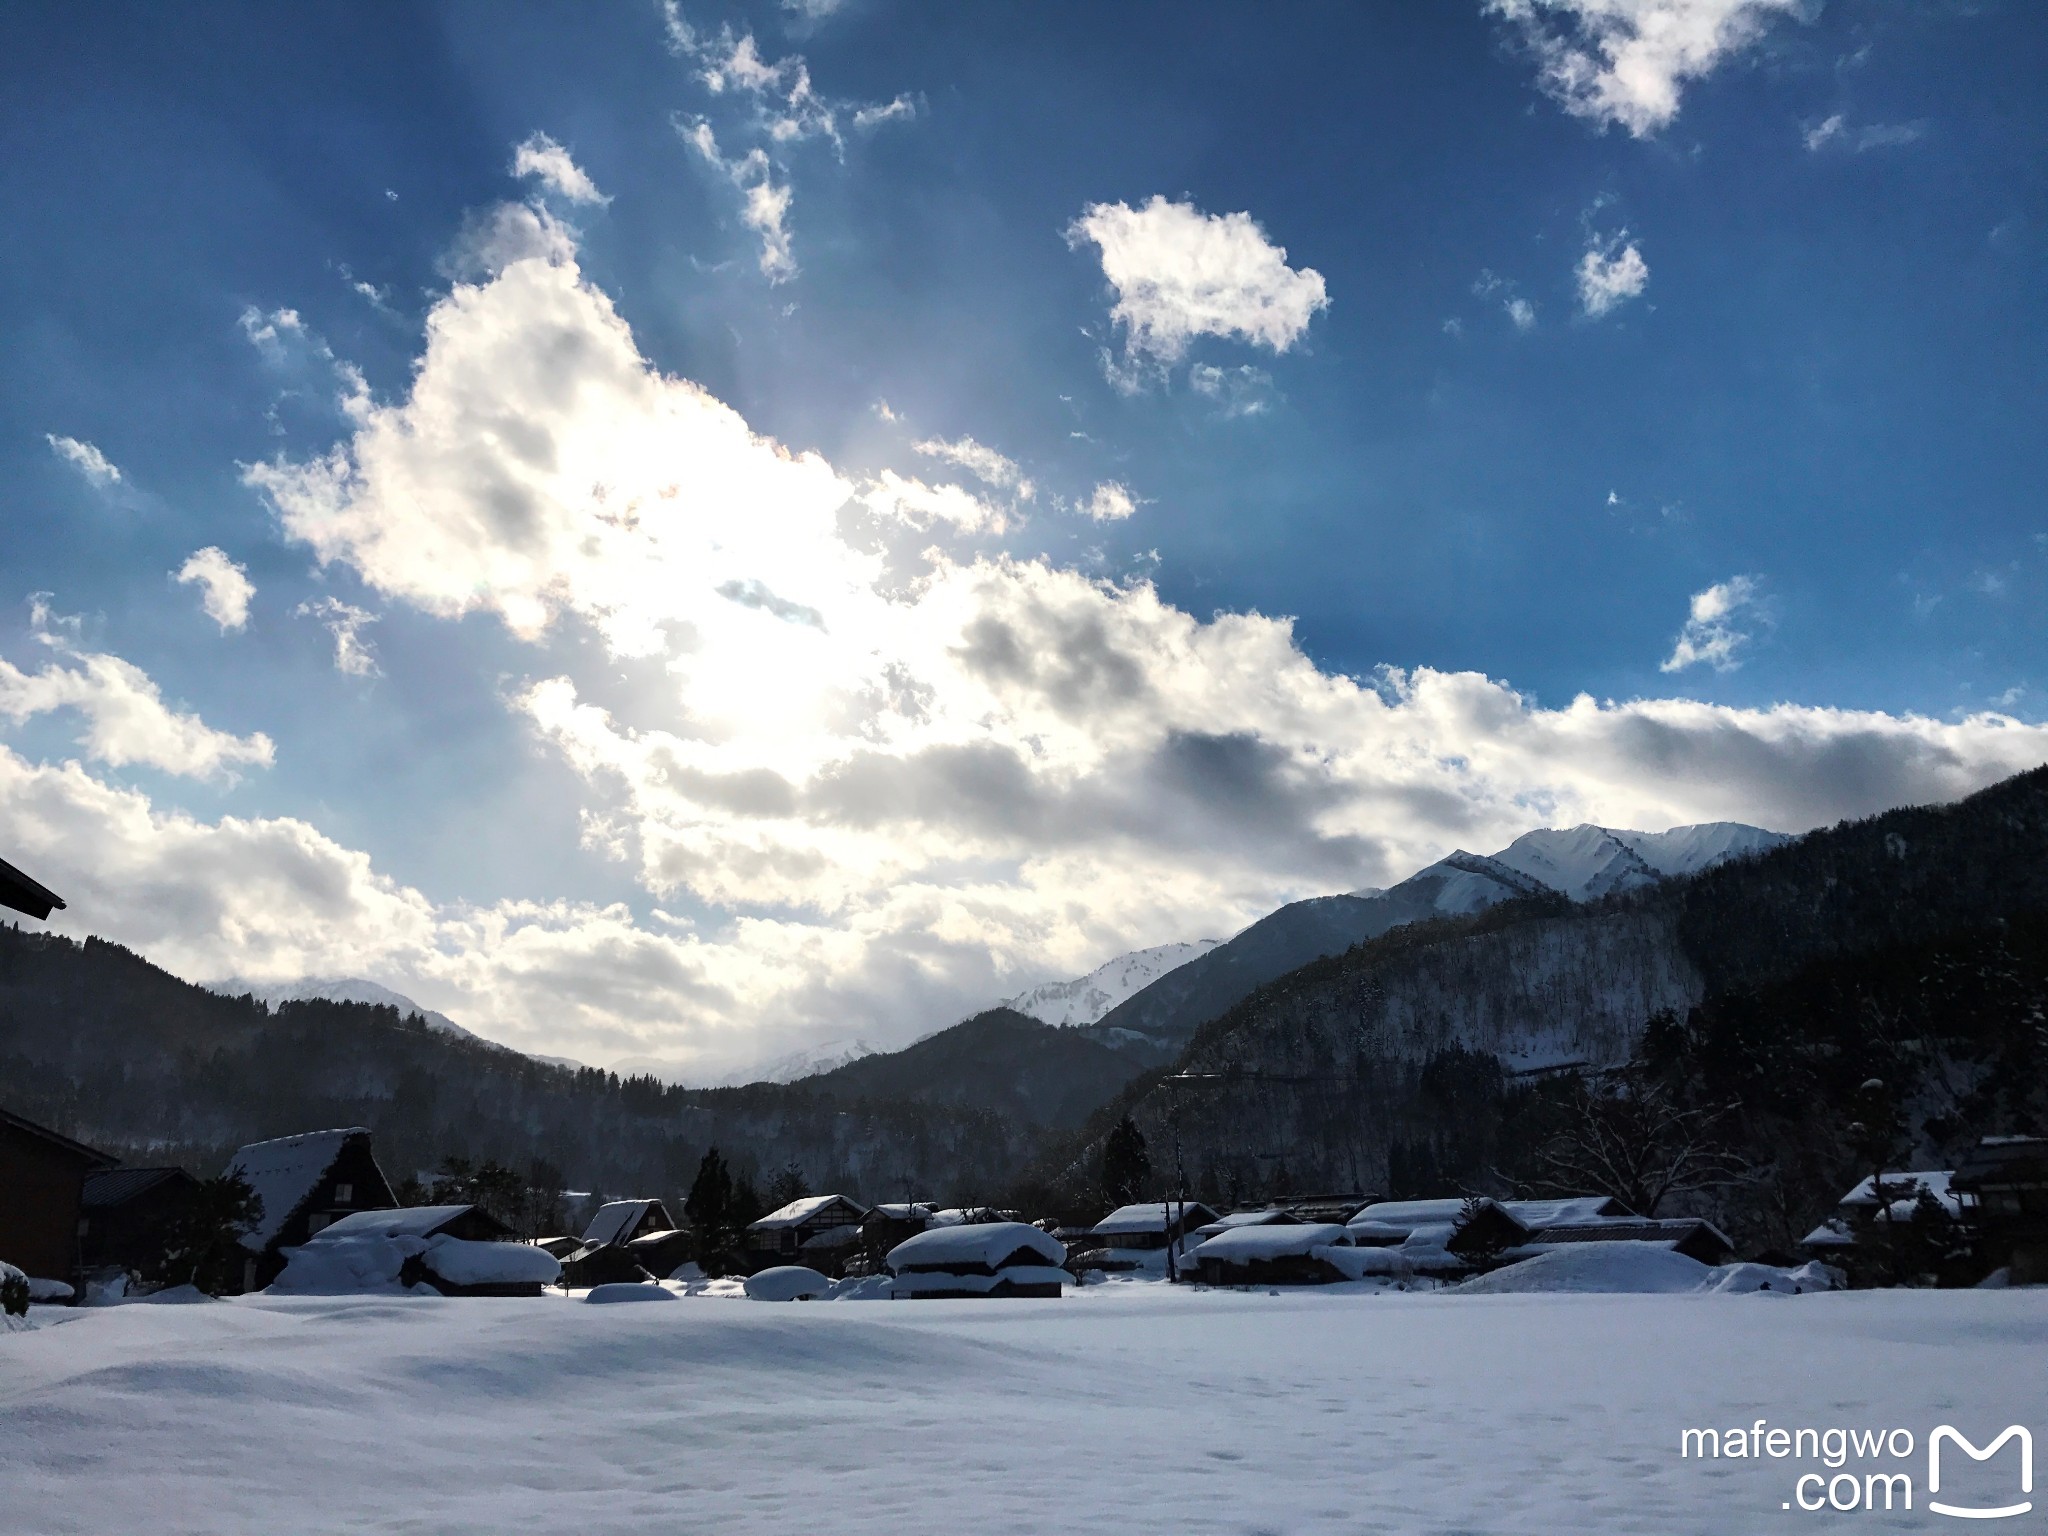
x: 979, y: 1259
x: 2001, y: 1192
x: 822, y: 1231
x: 1273, y: 1253
x: 480, y: 1257
x: 127, y: 1218
x: 306, y: 1183
x: 626, y: 1240
x: 42, y: 1196
x: 1152, y: 1224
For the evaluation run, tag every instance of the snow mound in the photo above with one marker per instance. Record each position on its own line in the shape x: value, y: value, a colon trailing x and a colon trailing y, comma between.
x: 863, y: 1288
x: 176, y: 1296
x: 985, y: 1244
x: 627, y: 1290
x: 1615, y: 1268
x: 1365, y: 1263
x: 787, y: 1282
x: 48, y: 1292
x: 348, y: 1266
x: 466, y: 1263
x: 1744, y: 1279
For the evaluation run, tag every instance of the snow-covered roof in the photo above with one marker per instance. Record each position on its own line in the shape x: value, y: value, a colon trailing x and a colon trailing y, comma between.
x: 284, y: 1173
x: 1832, y: 1233
x: 614, y: 1220
x: 797, y: 1212
x: 1245, y: 1243
x: 1412, y: 1213
x: 787, y: 1282
x: 465, y: 1263
x: 406, y: 1221
x: 1934, y: 1180
x: 1576, y: 1210
x: 1150, y: 1216
x: 1267, y: 1218
x: 902, y: 1210
x: 986, y: 1243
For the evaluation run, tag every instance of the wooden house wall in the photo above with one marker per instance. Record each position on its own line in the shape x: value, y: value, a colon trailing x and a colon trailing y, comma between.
x: 40, y: 1188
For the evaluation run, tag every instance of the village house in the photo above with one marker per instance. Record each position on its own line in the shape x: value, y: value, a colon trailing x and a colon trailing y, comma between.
x: 822, y: 1231
x: 1274, y: 1253
x: 2001, y: 1194
x: 978, y: 1259
x: 126, y: 1219
x: 1461, y: 1235
x: 42, y: 1175
x: 458, y: 1250
x: 1890, y: 1224
x: 306, y: 1183
x: 625, y: 1240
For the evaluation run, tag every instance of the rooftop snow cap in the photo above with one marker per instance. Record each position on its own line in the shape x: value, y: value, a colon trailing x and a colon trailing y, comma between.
x: 984, y: 1247
x: 797, y: 1212
x: 284, y: 1173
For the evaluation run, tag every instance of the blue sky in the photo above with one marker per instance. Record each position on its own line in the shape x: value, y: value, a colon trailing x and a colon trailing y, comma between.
x: 815, y: 552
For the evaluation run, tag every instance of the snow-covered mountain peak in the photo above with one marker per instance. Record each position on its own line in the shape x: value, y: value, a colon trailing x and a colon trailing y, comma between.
x: 1087, y: 998
x: 1586, y: 862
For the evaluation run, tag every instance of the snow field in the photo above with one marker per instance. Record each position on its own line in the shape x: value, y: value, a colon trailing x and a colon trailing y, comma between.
x: 1137, y: 1405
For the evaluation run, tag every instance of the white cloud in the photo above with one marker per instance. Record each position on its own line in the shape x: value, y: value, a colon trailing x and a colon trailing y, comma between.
x: 126, y: 720
x: 1240, y: 391
x: 224, y: 586
x: 780, y: 110
x: 1713, y: 632
x: 1624, y: 61
x: 814, y: 10
x: 345, y: 622
x: 1834, y: 132
x: 764, y: 202
x: 540, y: 156
x: 97, y: 468
x: 1610, y: 273
x: 1112, y: 502
x: 890, y: 796
x: 900, y: 110
x: 1180, y: 273
x: 1520, y: 312
x: 981, y: 461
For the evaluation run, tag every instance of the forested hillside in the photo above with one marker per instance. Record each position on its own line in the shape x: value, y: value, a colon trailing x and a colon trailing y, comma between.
x: 104, y: 1046
x: 1905, y: 950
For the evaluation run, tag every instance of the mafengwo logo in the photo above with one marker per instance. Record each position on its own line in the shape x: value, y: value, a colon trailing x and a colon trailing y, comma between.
x: 1861, y: 1470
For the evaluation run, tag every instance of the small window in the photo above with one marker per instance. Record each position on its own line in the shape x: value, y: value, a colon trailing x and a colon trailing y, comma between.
x: 344, y: 1194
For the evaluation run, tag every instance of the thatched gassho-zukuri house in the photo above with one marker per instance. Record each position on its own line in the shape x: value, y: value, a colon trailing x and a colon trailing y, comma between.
x: 306, y: 1183
x: 626, y: 1240
x: 458, y: 1250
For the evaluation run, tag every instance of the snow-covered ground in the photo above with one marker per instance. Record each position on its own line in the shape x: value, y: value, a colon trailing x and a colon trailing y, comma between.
x: 1127, y: 1406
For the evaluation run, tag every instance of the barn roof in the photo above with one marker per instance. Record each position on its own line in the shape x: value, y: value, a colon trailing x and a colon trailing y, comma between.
x: 618, y: 1220
x: 284, y: 1173
x: 1246, y: 1243
x: 1152, y: 1216
x: 989, y: 1244
x: 405, y: 1221
x: 797, y: 1212
x: 21, y: 893
x: 117, y: 1186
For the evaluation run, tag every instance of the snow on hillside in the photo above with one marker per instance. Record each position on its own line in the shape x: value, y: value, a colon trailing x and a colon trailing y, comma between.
x: 1088, y: 998
x: 806, y: 1061
x: 335, y: 989
x: 1585, y: 862
x: 1206, y: 1413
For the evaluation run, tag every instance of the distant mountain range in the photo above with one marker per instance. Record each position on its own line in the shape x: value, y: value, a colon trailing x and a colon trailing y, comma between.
x: 336, y: 989
x: 1582, y: 863
x: 1031, y: 1060
x: 797, y: 1065
x: 1086, y: 999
